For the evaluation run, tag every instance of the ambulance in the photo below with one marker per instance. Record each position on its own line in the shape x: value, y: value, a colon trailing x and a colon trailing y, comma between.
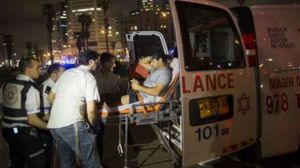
x: 239, y: 78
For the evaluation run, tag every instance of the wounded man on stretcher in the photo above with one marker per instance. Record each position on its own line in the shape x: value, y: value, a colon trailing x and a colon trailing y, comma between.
x: 157, y: 86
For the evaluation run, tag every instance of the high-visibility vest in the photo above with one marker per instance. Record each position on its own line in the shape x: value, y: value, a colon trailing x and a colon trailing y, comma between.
x: 14, y: 98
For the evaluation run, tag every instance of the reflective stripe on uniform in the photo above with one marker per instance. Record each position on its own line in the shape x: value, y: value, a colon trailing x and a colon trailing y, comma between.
x: 10, y: 125
x: 37, y: 153
x: 14, y: 118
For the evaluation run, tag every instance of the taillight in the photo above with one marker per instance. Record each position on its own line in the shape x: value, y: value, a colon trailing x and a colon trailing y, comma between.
x: 250, y: 44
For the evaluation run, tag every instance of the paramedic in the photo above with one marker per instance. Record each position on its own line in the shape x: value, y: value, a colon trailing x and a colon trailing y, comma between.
x: 54, y: 71
x: 20, y: 100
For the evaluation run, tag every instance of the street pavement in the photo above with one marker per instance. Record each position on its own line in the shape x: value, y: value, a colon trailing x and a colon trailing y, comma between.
x: 151, y: 155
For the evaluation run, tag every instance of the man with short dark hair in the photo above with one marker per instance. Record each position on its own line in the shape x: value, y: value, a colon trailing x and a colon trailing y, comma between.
x: 157, y: 81
x: 74, y: 98
x: 54, y: 71
x: 110, y: 89
x: 109, y: 83
x: 20, y: 100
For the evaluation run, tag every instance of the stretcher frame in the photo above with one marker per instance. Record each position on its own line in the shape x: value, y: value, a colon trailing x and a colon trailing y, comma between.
x: 168, y: 114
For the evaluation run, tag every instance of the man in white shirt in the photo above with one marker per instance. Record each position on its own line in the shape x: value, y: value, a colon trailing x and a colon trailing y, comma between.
x: 74, y: 98
x: 20, y: 100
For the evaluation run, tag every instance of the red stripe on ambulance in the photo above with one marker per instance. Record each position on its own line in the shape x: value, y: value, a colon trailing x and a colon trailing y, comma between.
x: 237, y: 146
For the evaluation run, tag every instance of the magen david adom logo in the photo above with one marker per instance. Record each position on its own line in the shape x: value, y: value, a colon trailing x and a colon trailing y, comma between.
x: 10, y: 95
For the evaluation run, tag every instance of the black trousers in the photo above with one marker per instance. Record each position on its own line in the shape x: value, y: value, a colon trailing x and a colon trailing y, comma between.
x: 25, y: 148
x: 47, y: 140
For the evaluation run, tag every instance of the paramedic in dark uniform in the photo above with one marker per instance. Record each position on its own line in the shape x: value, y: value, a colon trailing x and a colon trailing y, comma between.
x: 54, y: 71
x: 20, y: 100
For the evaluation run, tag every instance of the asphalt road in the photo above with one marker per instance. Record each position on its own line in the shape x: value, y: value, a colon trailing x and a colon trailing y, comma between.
x: 150, y: 154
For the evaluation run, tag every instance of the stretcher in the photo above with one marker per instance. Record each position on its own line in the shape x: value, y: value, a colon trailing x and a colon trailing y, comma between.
x: 167, y: 110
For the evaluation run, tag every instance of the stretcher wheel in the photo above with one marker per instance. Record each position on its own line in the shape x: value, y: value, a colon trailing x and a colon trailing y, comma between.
x: 163, y: 148
x: 176, y: 163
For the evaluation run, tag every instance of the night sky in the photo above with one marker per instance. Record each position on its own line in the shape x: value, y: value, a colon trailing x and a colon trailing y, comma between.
x: 23, y: 18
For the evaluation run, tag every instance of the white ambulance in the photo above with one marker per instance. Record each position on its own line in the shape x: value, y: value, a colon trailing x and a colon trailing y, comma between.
x: 239, y: 78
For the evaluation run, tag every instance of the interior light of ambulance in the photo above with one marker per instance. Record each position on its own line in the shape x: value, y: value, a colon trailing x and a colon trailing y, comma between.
x: 205, y: 110
x: 213, y: 106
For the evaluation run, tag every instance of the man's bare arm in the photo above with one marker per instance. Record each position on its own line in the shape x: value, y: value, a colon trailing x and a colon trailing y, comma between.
x: 35, y: 121
x: 153, y: 91
x: 51, y: 97
x: 91, y: 111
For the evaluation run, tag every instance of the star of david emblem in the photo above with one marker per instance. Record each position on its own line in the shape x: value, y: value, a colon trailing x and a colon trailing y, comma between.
x: 244, y: 104
x: 10, y: 95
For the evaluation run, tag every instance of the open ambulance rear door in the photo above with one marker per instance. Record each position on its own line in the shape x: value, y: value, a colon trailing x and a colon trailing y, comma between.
x: 145, y: 43
x: 218, y: 82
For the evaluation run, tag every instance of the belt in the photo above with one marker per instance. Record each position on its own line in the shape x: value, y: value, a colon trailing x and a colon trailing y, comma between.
x: 17, y: 130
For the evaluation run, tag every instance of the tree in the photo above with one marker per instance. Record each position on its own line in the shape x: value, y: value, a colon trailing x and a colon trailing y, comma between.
x: 78, y: 37
x: 240, y: 2
x: 104, y: 4
x: 28, y: 46
x: 49, y: 12
x: 85, y: 21
x: 87, y: 32
x: 8, y: 40
x: 113, y: 45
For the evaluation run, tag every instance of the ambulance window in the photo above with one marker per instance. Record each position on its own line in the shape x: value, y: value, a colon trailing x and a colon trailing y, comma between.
x: 210, y: 40
x: 210, y: 109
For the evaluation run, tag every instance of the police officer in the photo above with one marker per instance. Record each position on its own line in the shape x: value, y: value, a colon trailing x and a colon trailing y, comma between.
x: 54, y: 71
x: 20, y: 100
